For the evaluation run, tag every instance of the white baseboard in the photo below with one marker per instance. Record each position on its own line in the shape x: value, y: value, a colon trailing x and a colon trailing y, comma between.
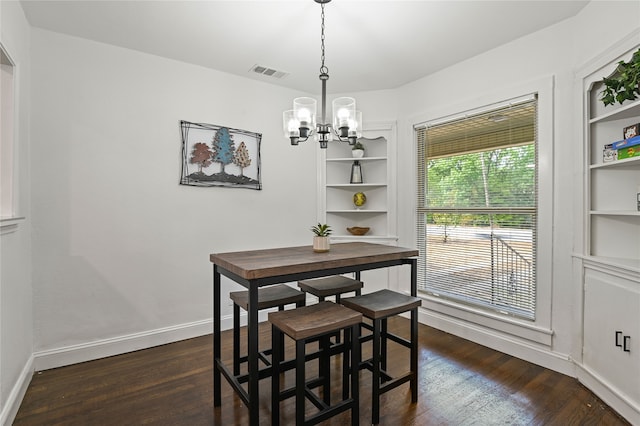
x: 606, y: 392
x: 503, y: 342
x: 67, y: 355
x: 12, y: 405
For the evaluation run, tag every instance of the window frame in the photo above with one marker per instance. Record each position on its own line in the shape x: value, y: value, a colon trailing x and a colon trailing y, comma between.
x: 9, y: 217
x: 538, y: 331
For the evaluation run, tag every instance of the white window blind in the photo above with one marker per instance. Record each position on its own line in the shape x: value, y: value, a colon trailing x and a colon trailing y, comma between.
x: 477, y: 208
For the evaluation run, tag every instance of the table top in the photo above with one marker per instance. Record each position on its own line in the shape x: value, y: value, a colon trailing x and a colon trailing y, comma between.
x: 256, y: 264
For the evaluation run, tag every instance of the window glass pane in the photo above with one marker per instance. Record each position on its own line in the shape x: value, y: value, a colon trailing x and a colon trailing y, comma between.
x: 477, y: 209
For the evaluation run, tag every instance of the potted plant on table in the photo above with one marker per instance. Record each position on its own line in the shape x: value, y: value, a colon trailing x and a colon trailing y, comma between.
x: 357, y: 150
x: 624, y: 84
x: 322, y: 232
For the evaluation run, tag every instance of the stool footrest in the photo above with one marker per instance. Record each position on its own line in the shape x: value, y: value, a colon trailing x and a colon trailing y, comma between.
x: 394, y: 383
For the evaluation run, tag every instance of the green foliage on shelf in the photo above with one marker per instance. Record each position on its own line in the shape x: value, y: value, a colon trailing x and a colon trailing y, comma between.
x: 624, y: 84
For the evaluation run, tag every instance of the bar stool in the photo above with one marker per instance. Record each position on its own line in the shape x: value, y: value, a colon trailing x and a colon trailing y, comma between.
x: 312, y: 323
x: 335, y: 285
x: 378, y: 306
x: 268, y: 297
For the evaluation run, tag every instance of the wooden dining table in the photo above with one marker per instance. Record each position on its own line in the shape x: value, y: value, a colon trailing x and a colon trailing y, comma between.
x: 257, y: 268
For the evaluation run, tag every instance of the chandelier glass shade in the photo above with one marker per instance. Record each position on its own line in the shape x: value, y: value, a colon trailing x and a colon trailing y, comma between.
x: 302, y: 122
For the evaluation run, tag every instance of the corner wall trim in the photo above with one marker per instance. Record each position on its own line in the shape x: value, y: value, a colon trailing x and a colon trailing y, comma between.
x: 10, y: 409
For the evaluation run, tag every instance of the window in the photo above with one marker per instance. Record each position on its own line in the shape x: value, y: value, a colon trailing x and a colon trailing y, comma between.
x: 6, y: 135
x: 477, y: 208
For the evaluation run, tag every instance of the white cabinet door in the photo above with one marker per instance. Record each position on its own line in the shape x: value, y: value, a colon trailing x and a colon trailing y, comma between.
x: 612, y: 304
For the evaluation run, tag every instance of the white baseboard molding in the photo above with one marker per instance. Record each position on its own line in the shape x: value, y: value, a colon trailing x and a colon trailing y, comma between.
x: 12, y: 405
x: 503, y: 342
x: 606, y: 392
x: 68, y: 355
x: 59, y: 357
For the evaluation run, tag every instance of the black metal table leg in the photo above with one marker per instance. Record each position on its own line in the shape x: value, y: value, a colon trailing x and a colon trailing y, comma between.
x: 252, y: 329
x: 217, y: 398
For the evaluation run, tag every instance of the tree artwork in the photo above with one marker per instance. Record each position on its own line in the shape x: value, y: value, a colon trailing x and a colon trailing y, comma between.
x: 201, y: 155
x: 239, y: 167
x: 241, y: 158
x: 223, y: 148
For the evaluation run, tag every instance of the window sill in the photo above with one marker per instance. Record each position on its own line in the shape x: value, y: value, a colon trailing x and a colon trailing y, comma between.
x: 10, y: 224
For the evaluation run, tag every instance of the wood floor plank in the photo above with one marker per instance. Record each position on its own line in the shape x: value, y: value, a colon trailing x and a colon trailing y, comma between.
x: 460, y: 382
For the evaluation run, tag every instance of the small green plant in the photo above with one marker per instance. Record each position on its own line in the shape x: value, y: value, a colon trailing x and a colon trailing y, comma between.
x: 321, y: 230
x: 357, y: 145
x: 623, y: 85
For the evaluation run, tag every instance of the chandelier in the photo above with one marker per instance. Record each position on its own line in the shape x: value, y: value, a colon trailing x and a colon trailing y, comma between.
x: 300, y: 123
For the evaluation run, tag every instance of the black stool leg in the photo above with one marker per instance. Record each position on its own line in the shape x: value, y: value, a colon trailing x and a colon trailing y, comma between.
x: 276, y: 356
x: 300, y: 382
x: 236, y: 339
x: 375, y: 410
x: 383, y: 346
x: 325, y: 370
x: 414, y: 355
x: 347, y: 356
x: 354, y: 344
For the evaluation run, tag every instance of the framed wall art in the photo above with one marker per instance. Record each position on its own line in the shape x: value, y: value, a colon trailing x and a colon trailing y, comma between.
x: 220, y: 156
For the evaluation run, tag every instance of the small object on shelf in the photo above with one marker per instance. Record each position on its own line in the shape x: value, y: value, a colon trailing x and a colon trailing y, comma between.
x: 631, y: 131
x: 609, y: 154
x: 356, y: 172
x: 361, y: 230
x: 638, y: 198
x: 357, y: 151
x: 628, y: 148
x: 359, y: 199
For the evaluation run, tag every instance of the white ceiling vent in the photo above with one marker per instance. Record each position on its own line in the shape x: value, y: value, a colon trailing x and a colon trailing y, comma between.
x: 269, y: 72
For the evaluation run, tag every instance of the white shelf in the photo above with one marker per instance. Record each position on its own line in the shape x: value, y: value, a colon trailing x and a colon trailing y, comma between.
x: 625, y: 111
x: 361, y: 211
x: 614, y: 213
x: 349, y: 159
x: 627, y: 162
x: 335, y: 195
x: 356, y: 185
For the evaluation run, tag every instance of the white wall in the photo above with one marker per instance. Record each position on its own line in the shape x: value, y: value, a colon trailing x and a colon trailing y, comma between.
x: 120, y: 247
x: 16, y: 337
x: 556, y: 51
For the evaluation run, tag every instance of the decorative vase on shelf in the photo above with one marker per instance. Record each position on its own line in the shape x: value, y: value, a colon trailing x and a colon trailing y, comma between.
x: 356, y: 172
x: 359, y: 199
x: 357, y: 151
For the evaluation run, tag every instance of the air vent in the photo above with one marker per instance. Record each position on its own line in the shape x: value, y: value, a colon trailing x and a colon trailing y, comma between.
x: 269, y: 72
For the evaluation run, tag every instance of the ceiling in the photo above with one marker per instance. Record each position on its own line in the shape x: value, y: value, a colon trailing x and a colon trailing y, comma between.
x: 370, y: 45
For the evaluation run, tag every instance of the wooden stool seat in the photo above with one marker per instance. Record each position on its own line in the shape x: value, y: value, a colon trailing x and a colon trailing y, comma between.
x: 382, y: 303
x: 314, y: 320
x: 330, y: 286
x: 268, y: 297
x: 378, y: 306
x: 317, y: 322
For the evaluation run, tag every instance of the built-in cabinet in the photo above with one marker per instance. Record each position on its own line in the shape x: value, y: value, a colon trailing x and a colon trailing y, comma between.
x: 609, y: 264
x: 336, y: 192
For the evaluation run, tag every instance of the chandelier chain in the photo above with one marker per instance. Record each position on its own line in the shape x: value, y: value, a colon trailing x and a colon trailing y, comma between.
x: 323, y: 68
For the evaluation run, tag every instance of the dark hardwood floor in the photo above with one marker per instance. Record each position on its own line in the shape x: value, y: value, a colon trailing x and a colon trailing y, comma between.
x: 461, y: 383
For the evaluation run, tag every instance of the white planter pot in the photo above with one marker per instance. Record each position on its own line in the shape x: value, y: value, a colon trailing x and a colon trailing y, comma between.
x: 321, y: 244
x: 357, y: 153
